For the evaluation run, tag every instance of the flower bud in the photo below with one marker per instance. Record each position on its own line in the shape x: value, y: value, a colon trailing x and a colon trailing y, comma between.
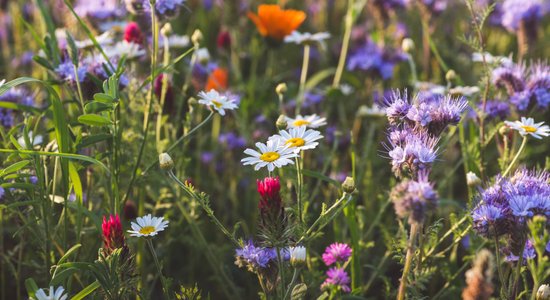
x: 281, y: 123
x: 281, y: 89
x: 166, y: 30
x: 503, y: 130
x: 451, y: 75
x: 348, y: 185
x: 297, y: 256
x: 133, y: 34
x: 166, y: 162
x: 543, y: 292
x: 203, y: 56
x: 192, y: 102
x: 196, y: 37
x: 224, y: 40
x: 472, y: 179
x: 407, y: 45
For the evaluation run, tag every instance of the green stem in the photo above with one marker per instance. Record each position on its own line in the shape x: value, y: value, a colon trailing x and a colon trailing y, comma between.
x: 303, y: 77
x: 408, y: 262
x: 281, y: 271
x: 412, y: 65
x: 497, y: 253
x: 159, y: 268
x: 335, y: 207
x: 523, y: 143
x: 205, y: 207
x: 291, y: 284
x: 300, y: 179
x: 345, y: 45
x: 518, y: 272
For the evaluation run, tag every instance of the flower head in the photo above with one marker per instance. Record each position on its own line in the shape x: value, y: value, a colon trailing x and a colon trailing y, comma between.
x: 311, y: 121
x: 113, y: 236
x: 273, y: 154
x: 148, y: 226
x: 66, y: 71
x: 339, y: 278
x: 133, y: 34
x: 270, y: 197
x: 298, y: 138
x: 306, y: 37
x: 55, y: 294
x: 217, y: 80
x: 276, y: 23
x: 336, y: 252
x: 527, y: 126
x: 414, y: 198
x: 254, y: 257
x: 297, y: 255
x: 216, y: 101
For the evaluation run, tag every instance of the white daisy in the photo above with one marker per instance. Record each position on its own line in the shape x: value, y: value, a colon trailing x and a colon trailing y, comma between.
x: 297, y: 254
x: 2, y: 82
x: 527, y: 126
x: 202, y: 55
x: 124, y: 48
x: 306, y: 37
x: 55, y: 294
x: 298, y: 138
x: 148, y: 226
x: 311, y: 121
x: 34, y: 139
x: 273, y: 154
x: 217, y: 101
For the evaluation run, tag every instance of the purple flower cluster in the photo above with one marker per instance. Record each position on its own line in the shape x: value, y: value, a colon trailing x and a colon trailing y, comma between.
x: 13, y: 95
x: 99, y: 9
x: 164, y: 9
x: 504, y: 207
x: 372, y: 58
x: 413, y: 198
x: 254, y: 257
x: 337, y: 277
x: 434, y: 6
x: 527, y: 12
x: 66, y: 71
x: 525, y: 86
x: 415, y: 126
x: 232, y: 141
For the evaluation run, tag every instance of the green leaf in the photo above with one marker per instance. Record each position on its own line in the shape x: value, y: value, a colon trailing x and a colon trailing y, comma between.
x: 15, y: 167
x: 31, y: 287
x: 58, y: 278
x: 95, y: 107
x: 101, y: 97
x: 93, y: 120
x: 92, y: 139
x: 63, y: 155
x: 299, y: 292
x: 86, y: 291
x: 75, y: 179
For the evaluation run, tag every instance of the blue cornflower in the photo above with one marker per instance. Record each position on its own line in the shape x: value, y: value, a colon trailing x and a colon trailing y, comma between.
x: 257, y: 257
x: 66, y: 72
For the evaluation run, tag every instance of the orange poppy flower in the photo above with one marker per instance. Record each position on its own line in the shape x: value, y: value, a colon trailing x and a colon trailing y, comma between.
x: 276, y: 23
x: 217, y: 80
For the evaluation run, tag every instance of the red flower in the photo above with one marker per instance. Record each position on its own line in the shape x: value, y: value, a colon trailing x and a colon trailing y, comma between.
x: 270, y: 197
x: 113, y: 235
x: 224, y: 40
x: 132, y: 33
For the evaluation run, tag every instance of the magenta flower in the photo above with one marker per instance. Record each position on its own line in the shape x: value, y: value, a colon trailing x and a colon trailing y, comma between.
x: 337, y: 252
x: 337, y: 277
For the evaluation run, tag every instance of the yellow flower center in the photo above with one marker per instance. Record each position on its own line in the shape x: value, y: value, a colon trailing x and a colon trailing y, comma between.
x: 301, y: 122
x: 270, y: 156
x: 295, y: 142
x: 529, y: 128
x: 147, y: 230
x: 218, y: 104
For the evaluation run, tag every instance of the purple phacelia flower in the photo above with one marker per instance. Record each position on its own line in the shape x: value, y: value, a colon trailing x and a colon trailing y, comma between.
x: 336, y: 252
x: 369, y: 57
x: 511, y: 77
x: 397, y: 106
x: 417, y: 152
x: 515, y: 12
x: 414, y: 198
x: 168, y: 8
x: 420, y: 113
x: 529, y: 252
x: 486, y: 218
x: 339, y: 278
x: 99, y: 9
x: 495, y: 109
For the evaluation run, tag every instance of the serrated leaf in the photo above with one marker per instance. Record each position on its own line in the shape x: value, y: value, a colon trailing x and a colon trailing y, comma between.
x: 93, y: 120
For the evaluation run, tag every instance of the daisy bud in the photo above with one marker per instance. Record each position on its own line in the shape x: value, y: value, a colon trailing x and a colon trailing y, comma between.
x: 407, y: 45
x: 113, y: 236
x: 281, y: 89
x: 543, y: 292
x: 203, y: 56
x: 133, y: 34
x: 281, y: 122
x: 166, y: 162
x: 503, y: 130
x: 451, y: 75
x: 192, y: 102
x: 166, y: 30
x: 472, y: 179
x: 196, y: 37
x: 297, y: 256
x: 348, y: 185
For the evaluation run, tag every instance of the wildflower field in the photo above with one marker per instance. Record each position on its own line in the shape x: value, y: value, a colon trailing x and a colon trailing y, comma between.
x: 254, y: 149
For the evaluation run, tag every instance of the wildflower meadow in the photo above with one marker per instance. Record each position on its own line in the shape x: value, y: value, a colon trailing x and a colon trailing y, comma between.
x: 255, y: 149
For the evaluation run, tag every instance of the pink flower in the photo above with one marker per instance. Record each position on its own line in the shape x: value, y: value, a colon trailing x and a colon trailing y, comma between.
x: 337, y: 252
x: 113, y: 235
x: 337, y: 277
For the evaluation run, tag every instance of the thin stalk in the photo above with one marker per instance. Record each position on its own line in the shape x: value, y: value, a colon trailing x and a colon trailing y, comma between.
x: 345, y: 45
x: 148, y: 105
x: 299, y: 187
x: 518, y: 272
x: 159, y: 268
x: 291, y: 284
x: 497, y: 254
x: 303, y: 77
x: 334, y: 207
x: 281, y: 271
x: 79, y: 88
x: 164, y: 90
x: 412, y: 65
x: 523, y: 143
x: 408, y: 261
